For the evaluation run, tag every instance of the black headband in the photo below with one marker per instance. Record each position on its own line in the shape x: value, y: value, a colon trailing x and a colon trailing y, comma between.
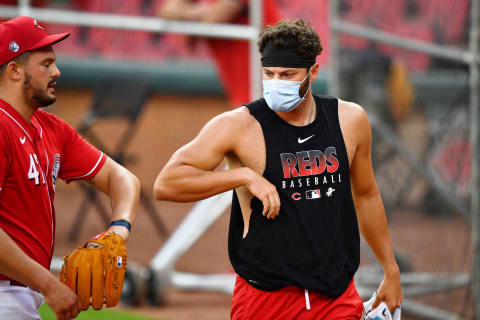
x: 284, y: 57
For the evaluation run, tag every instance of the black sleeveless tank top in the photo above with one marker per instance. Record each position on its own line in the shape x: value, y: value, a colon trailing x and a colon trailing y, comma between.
x: 314, y: 242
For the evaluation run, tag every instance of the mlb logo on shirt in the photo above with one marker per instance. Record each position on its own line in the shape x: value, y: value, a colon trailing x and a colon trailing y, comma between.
x: 119, y: 262
x: 312, y: 194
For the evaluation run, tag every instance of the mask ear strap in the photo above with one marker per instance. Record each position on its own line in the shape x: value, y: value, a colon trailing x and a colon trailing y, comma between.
x: 306, y: 91
x: 308, y: 73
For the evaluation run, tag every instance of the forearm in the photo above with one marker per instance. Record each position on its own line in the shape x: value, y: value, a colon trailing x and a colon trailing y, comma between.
x: 175, y: 9
x: 220, y: 11
x: 184, y: 183
x: 124, y: 191
x: 15, y: 264
x: 373, y: 226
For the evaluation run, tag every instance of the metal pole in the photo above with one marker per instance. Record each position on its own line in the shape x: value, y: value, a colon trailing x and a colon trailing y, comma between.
x: 333, y: 77
x: 198, y: 220
x: 475, y: 147
x: 370, y: 33
x: 24, y: 8
x: 123, y: 22
x: 255, y: 13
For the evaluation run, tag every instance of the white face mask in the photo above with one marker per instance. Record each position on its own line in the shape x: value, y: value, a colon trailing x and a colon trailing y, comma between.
x: 283, y: 95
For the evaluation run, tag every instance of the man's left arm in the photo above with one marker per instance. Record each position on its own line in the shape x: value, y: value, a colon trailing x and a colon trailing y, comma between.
x: 82, y: 161
x: 98, y: 281
x: 123, y: 188
x: 219, y: 11
x: 371, y: 213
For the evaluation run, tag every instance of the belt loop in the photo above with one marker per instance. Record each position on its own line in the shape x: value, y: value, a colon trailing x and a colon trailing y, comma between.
x: 13, y: 283
x: 4, y: 283
x: 307, y: 300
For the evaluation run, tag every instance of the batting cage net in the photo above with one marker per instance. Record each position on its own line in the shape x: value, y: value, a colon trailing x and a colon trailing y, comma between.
x: 418, y: 103
x: 140, y: 94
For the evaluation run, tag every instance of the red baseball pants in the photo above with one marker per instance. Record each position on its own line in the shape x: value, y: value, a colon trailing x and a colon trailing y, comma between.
x: 291, y: 303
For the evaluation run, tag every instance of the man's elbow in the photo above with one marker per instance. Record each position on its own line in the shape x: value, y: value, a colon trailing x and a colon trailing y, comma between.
x: 135, y: 183
x: 162, y: 192
x: 120, y: 179
x: 159, y: 192
x: 128, y: 180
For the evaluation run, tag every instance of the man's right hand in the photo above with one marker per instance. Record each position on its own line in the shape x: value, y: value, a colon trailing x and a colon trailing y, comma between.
x: 265, y: 192
x: 15, y: 264
x: 63, y: 301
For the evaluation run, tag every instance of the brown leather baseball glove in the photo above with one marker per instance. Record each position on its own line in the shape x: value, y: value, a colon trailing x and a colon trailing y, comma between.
x: 96, y: 270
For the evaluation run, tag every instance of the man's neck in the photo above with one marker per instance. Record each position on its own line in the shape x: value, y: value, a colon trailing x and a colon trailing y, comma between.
x: 19, y: 104
x: 303, y: 114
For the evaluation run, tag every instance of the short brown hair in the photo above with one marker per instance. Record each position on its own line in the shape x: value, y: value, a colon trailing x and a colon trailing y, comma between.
x: 20, y: 59
x: 294, y: 35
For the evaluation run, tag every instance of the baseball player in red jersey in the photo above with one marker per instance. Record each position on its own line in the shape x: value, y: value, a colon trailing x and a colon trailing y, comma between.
x: 37, y: 148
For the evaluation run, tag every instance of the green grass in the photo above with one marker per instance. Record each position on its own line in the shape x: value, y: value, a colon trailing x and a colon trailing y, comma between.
x: 90, y: 314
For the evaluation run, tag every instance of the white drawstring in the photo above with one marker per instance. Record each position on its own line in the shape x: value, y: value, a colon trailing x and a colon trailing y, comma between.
x: 307, y: 300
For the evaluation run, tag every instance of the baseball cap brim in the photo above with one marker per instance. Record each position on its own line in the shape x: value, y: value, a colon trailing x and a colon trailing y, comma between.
x: 49, y: 40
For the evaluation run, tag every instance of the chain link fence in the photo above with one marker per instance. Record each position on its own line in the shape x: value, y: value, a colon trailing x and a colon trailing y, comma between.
x: 404, y: 62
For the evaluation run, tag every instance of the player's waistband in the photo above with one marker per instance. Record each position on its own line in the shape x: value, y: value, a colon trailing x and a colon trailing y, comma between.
x: 13, y: 283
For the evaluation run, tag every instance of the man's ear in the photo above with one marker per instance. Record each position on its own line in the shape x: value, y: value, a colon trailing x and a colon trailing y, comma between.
x: 314, y: 72
x: 14, y: 71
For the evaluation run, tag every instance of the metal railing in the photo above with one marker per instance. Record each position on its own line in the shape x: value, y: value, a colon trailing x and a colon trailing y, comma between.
x: 152, y: 24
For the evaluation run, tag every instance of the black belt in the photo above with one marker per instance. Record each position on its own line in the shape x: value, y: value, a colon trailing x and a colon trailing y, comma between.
x: 18, y: 284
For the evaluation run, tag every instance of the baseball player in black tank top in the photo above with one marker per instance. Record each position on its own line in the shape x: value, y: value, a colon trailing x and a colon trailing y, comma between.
x: 304, y: 187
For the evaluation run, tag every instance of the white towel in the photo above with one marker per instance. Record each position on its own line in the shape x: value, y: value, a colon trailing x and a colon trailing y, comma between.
x: 381, y: 312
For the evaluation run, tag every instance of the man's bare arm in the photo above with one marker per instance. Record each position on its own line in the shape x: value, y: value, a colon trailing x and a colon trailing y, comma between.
x: 123, y: 188
x: 220, y: 11
x: 371, y: 213
x: 15, y: 264
x: 190, y: 176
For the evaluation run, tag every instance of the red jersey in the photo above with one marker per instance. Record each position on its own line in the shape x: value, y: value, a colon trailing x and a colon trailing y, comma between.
x: 32, y: 157
x: 231, y: 56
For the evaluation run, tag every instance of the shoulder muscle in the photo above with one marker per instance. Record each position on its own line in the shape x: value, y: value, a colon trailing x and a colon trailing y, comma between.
x: 217, y: 138
x: 355, y: 124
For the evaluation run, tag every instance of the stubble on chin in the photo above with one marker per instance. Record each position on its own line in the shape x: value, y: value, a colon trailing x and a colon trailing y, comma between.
x: 34, y: 96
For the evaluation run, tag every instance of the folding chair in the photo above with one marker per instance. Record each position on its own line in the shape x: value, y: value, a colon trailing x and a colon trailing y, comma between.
x: 121, y: 99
